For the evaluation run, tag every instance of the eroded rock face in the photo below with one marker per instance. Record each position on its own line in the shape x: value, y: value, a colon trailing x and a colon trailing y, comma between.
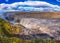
x: 47, y: 26
x: 36, y: 25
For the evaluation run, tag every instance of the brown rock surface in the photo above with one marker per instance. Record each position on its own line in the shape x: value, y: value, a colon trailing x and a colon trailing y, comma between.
x: 47, y: 23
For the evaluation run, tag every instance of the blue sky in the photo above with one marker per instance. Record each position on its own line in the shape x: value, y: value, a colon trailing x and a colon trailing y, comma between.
x: 30, y: 5
x: 12, y: 1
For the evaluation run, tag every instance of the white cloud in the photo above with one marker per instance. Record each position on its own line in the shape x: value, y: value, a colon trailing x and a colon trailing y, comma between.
x: 6, y: 0
x: 30, y: 6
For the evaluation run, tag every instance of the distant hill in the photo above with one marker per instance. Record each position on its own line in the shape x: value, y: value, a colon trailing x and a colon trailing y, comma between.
x: 33, y: 14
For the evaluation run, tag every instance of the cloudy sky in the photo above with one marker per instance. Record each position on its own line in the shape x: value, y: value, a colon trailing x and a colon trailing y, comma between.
x: 30, y: 5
